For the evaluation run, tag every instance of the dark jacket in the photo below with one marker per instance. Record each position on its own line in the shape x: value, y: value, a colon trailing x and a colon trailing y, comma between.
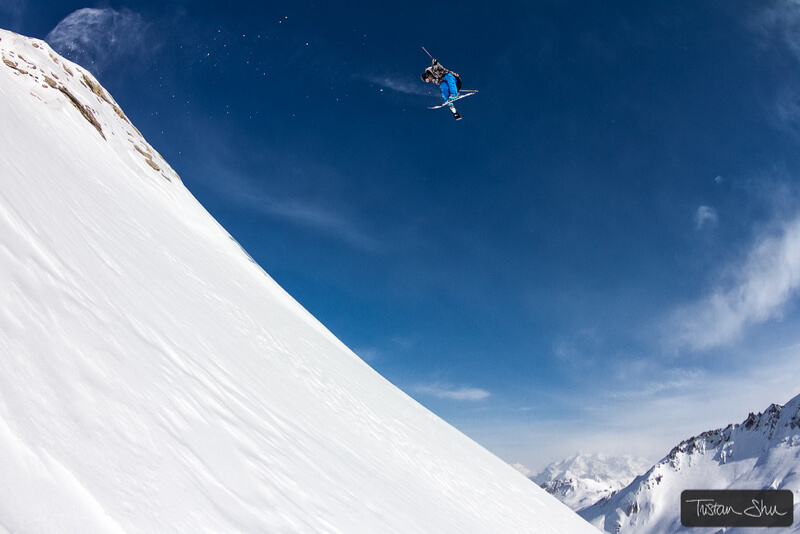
x: 437, y: 72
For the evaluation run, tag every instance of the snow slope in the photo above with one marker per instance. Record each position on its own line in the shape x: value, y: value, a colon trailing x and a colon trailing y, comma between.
x: 156, y: 379
x: 761, y: 453
x: 583, y: 479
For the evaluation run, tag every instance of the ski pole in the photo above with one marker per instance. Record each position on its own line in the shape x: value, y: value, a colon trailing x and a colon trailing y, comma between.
x: 429, y: 54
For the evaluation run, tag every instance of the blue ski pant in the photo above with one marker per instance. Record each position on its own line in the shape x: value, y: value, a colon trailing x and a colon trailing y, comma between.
x: 448, y: 86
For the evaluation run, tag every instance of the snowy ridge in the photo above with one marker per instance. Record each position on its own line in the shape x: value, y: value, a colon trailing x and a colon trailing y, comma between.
x: 763, y: 452
x: 156, y: 379
x: 583, y: 479
x: 67, y: 87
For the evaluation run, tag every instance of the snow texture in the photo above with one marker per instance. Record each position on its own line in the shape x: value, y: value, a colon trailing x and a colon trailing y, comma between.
x: 761, y: 453
x: 156, y: 379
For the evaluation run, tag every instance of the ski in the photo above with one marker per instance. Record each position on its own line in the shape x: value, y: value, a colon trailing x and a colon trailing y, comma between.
x: 461, y: 94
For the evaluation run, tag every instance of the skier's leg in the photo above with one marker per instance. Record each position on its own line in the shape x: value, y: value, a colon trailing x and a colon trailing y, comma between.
x: 451, y: 85
x: 445, y: 89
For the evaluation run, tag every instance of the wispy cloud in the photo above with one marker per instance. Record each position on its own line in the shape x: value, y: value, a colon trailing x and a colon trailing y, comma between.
x: 320, y: 219
x: 645, y: 408
x: 777, y: 23
x: 780, y: 18
x: 368, y: 354
x: 447, y: 391
x: 758, y: 291
x: 678, y: 402
x: 788, y: 106
x: 785, y: 112
x: 311, y: 212
x: 705, y: 216
x: 98, y: 38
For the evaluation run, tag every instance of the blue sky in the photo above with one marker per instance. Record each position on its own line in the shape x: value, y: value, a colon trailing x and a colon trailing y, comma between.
x: 604, y: 255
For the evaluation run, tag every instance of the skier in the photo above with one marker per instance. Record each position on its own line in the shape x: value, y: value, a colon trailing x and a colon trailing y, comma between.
x: 448, y: 81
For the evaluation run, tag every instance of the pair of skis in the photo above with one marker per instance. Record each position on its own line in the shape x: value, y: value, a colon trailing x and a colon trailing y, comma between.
x: 461, y: 94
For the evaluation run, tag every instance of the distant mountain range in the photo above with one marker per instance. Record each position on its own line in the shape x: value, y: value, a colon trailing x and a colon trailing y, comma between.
x: 624, y: 494
x: 763, y: 452
x: 583, y: 479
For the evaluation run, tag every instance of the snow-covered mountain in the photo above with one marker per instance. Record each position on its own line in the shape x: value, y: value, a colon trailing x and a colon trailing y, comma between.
x: 763, y: 452
x: 583, y: 479
x: 154, y: 378
x: 521, y: 469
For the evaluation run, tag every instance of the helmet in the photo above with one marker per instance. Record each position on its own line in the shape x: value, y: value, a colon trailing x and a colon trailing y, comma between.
x: 425, y: 75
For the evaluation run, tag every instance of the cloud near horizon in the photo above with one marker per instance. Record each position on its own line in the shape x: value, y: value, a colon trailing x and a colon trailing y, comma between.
x: 98, y: 38
x: 446, y: 391
x: 759, y: 291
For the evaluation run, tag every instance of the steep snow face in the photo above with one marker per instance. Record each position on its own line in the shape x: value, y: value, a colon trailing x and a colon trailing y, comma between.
x: 154, y: 378
x: 761, y: 453
x: 583, y: 479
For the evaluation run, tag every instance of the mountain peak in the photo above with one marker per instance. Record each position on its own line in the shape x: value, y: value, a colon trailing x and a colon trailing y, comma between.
x: 64, y: 85
x: 583, y: 479
x: 762, y: 452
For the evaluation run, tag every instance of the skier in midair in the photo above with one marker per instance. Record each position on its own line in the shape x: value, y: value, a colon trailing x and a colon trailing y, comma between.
x: 449, y: 82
